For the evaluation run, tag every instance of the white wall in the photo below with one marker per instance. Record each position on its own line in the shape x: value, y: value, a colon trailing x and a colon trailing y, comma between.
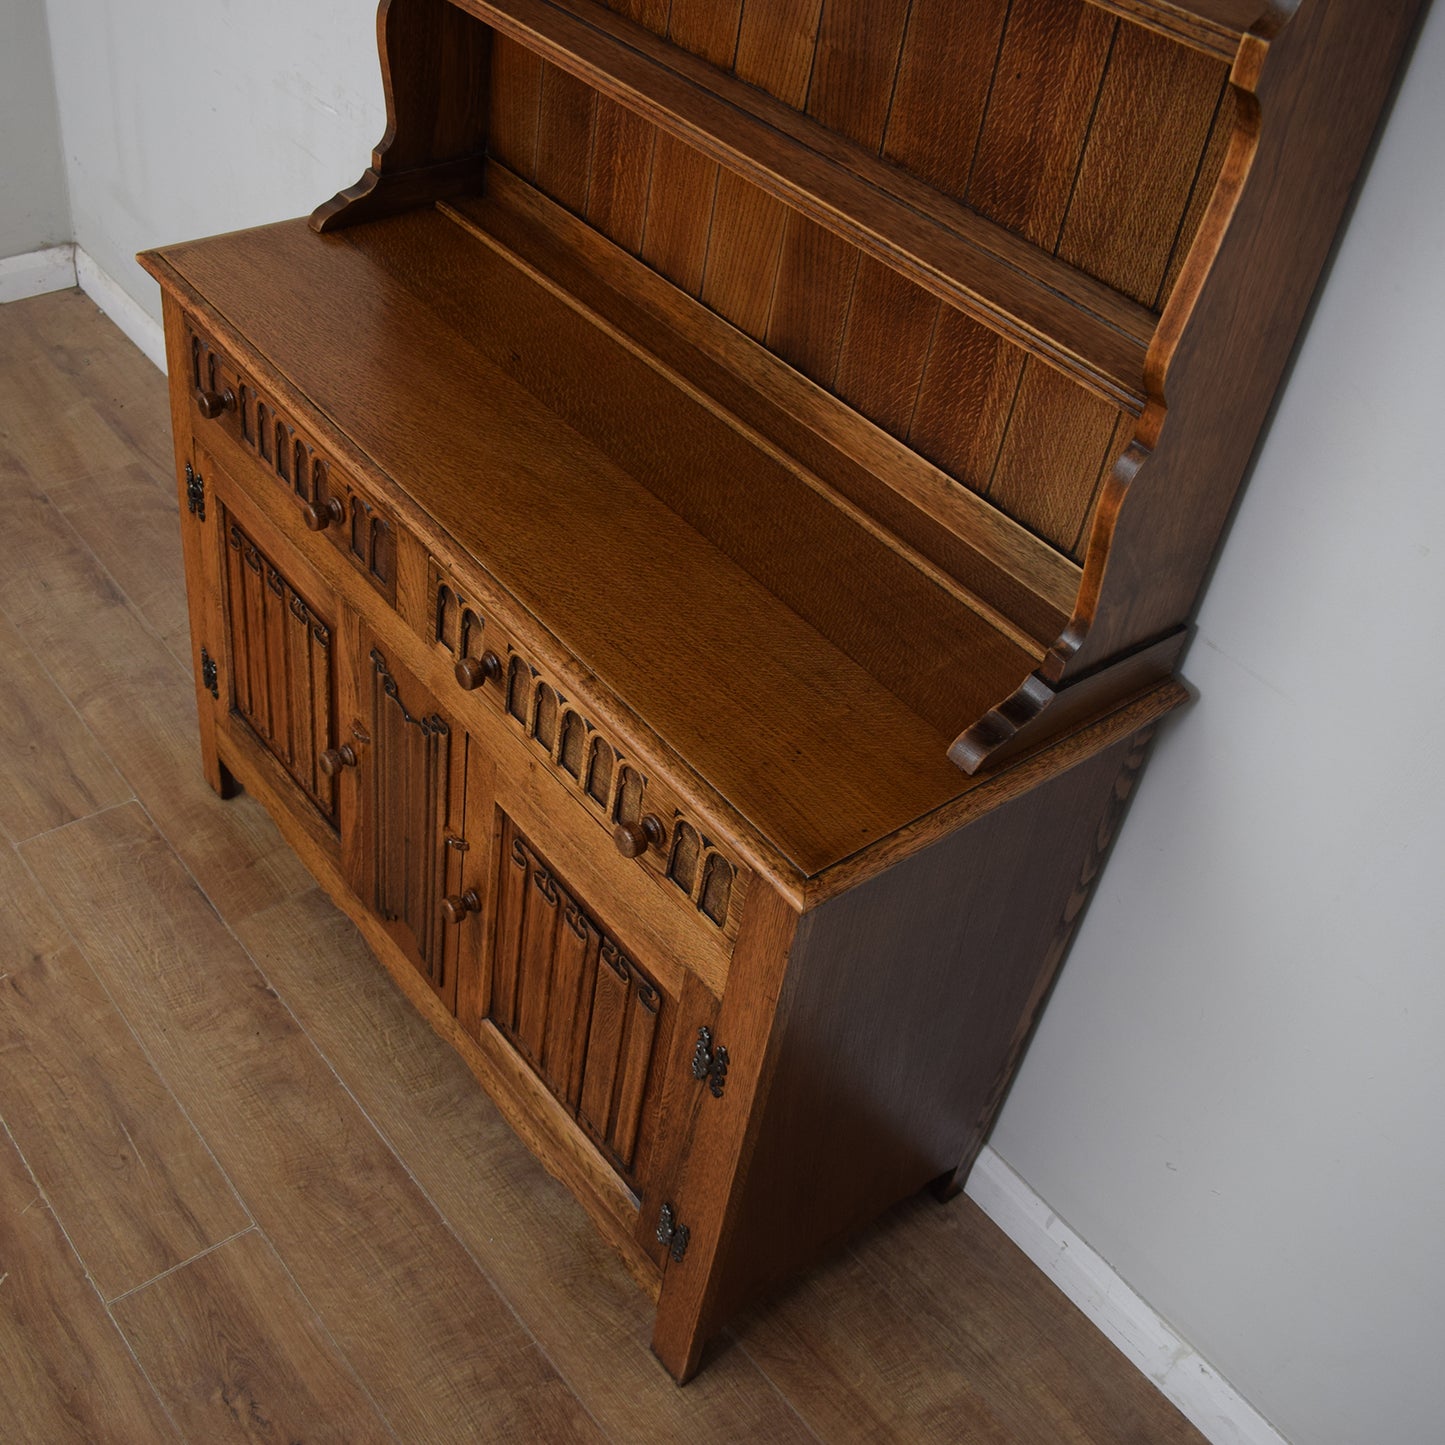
x: 184, y: 118
x: 33, y: 208
x: 1236, y: 1093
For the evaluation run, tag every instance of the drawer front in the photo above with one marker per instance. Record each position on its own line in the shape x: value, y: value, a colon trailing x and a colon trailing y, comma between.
x: 634, y: 811
x: 329, y: 500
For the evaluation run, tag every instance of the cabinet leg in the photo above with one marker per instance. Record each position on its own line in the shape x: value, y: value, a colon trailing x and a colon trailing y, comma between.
x: 948, y: 1185
x: 679, y: 1358
x: 218, y: 775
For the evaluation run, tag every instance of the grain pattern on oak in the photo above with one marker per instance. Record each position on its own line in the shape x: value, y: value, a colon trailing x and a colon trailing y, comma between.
x: 824, y: 793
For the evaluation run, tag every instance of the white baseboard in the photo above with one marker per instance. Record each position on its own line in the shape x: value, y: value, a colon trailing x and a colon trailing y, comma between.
x: 128, y: 314
x: 1204, y: 1397
x: 37, y: 272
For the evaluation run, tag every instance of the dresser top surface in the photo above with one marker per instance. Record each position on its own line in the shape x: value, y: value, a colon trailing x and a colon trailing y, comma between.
x: 810, y: 748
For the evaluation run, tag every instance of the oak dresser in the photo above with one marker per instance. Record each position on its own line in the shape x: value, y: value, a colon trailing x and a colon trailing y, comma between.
x: 692, y: 548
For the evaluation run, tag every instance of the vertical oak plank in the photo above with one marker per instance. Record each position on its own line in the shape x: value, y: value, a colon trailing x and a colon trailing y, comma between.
x: 945, y: 75
x: 890, y: 326
x: 1049, y: 466
x: 516, y: 106
x: 1050, y: 68
x: 564, y: 138
x: 1146, y: 142
x: 964, y: 400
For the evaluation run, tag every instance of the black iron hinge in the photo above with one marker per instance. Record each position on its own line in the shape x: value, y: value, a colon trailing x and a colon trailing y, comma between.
x: 209, y: 678
x: 195, y: 493
x: 672, y: 1234
x: 710, y: 1063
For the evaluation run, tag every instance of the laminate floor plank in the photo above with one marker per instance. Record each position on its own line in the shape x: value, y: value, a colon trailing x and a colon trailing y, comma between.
x: 858, y: 1367
x: 1046, y: 1371
x: 142, y: 555
x: 57, y: 435
x: 934, y: 1327
x: 237, y: 1354
x: 52, y: 769
x: 523, y: 1228
x: 65, y: 1372
x: 127, y: 1175
x: 68, y: 339
x: 137, y: 701
x: 435, y: 1345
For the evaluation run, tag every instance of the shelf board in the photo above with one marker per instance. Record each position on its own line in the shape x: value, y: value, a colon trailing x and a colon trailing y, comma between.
x: 1050, y: 309
x: 1213, y: 26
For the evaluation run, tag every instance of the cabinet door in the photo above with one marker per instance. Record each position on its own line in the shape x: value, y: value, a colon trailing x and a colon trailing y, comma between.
x: 578, y: 1008
x: 406, y: 855
x: 282, y: 671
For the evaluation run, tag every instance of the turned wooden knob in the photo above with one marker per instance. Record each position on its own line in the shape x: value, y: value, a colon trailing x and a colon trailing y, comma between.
x: 216, y: 403
x: 334, y: 759
x: 472, y: 672
x: 456, y: 906
x: 634, y: 839
x: 318, y: 516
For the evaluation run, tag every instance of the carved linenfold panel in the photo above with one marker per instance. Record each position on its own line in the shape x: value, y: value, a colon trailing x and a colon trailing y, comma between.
x: 281, y: 672
x: 415, y: 770
x: 573, y: 1003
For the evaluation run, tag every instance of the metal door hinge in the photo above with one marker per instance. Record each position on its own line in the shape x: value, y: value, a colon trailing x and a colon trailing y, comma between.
x: 672, y: 1234
x: 710, y: 1063
x: 195, y: 493
x: 209, y: 677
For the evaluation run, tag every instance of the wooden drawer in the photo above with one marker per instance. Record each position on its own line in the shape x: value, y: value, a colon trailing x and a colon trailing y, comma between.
x: 329, y: 500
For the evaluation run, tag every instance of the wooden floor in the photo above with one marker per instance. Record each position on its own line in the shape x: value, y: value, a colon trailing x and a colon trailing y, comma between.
x: 244, y: 1192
